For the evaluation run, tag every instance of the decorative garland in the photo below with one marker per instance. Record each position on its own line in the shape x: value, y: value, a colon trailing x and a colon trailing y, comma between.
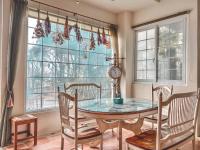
x: 92, y: 42
x: 38, y: 30
x: 66, y: 30
x: 58, y: 36
x: 79, y: 37
x: 104, y: 40
x: 47, y: 25
x: 99, y: 37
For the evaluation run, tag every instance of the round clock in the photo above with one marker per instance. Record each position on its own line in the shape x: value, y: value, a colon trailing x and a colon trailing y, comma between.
x: 115, y: 72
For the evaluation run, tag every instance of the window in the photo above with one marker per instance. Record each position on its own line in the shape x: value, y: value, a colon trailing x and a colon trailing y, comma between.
x: 50, y: 65
x: 160, y: 52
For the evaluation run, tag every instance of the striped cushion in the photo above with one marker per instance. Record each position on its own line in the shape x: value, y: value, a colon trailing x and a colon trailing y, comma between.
x: 147, y: 140
x: 83, y: 133
x: 155, y: 117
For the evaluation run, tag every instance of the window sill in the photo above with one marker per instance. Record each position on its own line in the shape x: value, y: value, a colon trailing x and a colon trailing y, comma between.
x: 175, y: 83
x: 50, y: 110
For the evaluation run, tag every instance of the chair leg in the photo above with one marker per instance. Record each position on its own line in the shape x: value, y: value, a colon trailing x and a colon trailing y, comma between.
x: 101, y: 145
x: 62, y: 143
x: 193, y: 144
x: 76, y: 146
x: 127, y: 147
x: 112, y: 132
x: 82, y: 146
x: 15, y: 136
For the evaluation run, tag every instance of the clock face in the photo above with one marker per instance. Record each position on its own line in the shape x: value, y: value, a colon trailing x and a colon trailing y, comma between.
x: 115, y: 72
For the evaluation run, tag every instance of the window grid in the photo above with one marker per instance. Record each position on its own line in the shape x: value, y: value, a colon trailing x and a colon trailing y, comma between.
x: 147, y: 49
x: 93, y: 69
x: 173, y: 41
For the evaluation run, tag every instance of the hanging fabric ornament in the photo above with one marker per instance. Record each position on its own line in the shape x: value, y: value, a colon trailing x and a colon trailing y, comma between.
x: 99, y: 40
x: 108, y: 44
x: 47, y: 25
x: 38, y: 30
x: 84, y: 45
x: 84, y: 48
x: 79, y: 38
x: 57, y: 36
x: 92, y: 42
x: 104, y: 40
x: 66, y: 29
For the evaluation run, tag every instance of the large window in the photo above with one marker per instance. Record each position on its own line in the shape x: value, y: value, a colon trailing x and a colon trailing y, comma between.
x: 50, y: 65
x: 160, y: 51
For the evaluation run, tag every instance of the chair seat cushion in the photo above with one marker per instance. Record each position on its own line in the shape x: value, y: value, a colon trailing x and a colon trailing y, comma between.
x: 155, y: 117
x: 72, y: 116
x: 83, y: 133
x: 147, y: 140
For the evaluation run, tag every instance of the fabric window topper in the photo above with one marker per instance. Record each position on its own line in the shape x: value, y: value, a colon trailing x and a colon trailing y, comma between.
x: 66, y: 30
x: 47, y: 25
x: 99, y: 37
x: 79, y: 37
x: 104, y: 40
x: 92, y: 42
x: 38, y: 30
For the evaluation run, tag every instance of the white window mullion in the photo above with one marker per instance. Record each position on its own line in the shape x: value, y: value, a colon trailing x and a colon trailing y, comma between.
x: 156, y: 52
x: 170, y: 48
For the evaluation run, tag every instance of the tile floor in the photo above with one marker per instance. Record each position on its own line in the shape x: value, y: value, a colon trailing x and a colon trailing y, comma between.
x: 52, y: 142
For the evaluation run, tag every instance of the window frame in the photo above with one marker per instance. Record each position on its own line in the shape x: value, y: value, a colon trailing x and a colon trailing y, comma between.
x: 156, y: 26
x: 55, y: 108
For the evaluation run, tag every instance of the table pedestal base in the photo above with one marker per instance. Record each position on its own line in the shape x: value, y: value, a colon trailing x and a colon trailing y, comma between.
x: 134, y: 127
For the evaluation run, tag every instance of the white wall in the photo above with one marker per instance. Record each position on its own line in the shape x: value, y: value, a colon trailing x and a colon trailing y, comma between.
x: 47, y: 121
x: 87, y: 10
x: 198, y: 69
x: 125, y: 38
x: 165, y: 8
x: 1, y: 23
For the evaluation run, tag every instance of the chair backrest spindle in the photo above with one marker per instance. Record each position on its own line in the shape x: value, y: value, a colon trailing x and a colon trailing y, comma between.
x: 86, y: 91
x: 166, y: 92
x: 182, y: 116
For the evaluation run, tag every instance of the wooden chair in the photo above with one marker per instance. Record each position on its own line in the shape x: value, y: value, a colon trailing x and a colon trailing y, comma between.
x: 27, y: 120
x: 179, y: 129
x: 86, y: 91
x: 166, y: 92
x: 72, y: 131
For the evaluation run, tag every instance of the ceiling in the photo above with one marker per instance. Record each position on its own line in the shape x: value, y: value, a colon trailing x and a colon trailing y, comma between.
x: 117, y: 6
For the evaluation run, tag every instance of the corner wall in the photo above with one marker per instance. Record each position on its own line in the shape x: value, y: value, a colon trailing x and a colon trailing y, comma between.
x: 125, y: 38
x: 198, y: 68
x: 162, y: 9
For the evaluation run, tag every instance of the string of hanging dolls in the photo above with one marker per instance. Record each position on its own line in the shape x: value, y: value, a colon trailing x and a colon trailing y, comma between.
x: 44, y: 29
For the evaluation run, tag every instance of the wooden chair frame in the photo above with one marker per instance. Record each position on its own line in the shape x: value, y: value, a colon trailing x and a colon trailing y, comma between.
x: 89, y: 85
x: 176, y: 119
x: 182, y: 118
x: 81, y: 85
x: 166, y: 91
x: 65, y: 121
x: 157, y: 90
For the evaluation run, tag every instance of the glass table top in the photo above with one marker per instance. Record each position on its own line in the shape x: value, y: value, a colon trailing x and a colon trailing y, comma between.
x: 107, y: 106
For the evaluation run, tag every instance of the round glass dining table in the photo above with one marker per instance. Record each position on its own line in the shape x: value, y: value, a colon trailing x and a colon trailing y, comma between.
x: 105, y: 109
